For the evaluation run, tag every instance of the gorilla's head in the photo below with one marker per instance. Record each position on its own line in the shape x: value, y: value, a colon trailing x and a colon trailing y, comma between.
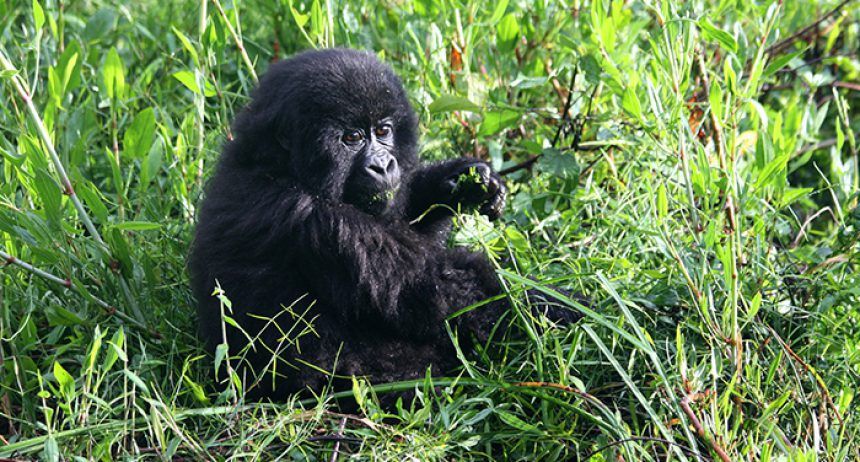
x: 335, y: 121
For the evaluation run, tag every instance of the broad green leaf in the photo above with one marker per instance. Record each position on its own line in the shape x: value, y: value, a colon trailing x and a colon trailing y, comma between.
x: 38, y: 15
x: 187, y: 78
x: 448, y: 103
x: 100, y: 24
x: 776, y: 165
x: 630, y: 102
x: 558, y: 163
x: 220, y: 354
x: 522, y: 82
x: 51, y: 451
x: 715, y: 96
x: 116, y: 350
x: 301, y: 19
x: 712, y: 32
x: 67, y: 383
x: 94, y: 203
x: 317, y: 20
x: 113, y: 75
x: 501, y: 6
x: 780, y: 61
x: 138, y: 382
x: 506, y: 32
x: 186, y: 43
x: 515, y: 421
x: 120, y: 250
x: 495, y: 121
x: 140, y: 135
x: 51, y: 196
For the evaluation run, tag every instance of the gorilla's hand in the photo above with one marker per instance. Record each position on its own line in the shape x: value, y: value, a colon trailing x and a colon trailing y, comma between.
x: 474, y: 183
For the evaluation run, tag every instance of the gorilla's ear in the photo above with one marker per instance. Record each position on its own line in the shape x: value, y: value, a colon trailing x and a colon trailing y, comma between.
x: 261, y: 135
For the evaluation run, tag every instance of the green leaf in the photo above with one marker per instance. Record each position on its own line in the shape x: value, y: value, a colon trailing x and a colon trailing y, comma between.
x: 558, y: 163
x: 51, y: 451
x: 448, y: 103
x: 186, y: 43
x: 115, y: 350
x: 715, y: 97
x: 712, y: 32
x: 138, y: 382
x: 100, y: 24
x: 299, y: 18
x: 51, y: 196
x: 522, y: 82
x: 506, y: 32
x: 67, y: 383
x: 495, y: 121
x: 501, y: 6
x: 780, y: 61
x: 317, y: 20
x: 630, y: 102
x: 187, y: 78
x: 140, y: 135
x: 38, y: 15
x: 88, y: 193
x: 771, y: 169
x: 792, y: 195
x: 220, y: 354
x: 137, y: 226
x: 113, y: 75
x: 515, y: 421
x: 120, y: 249
x: 662, y: 201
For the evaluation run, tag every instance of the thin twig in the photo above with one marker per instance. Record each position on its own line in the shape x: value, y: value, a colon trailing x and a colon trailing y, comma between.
x: 8, y: 259
x: 778, y: 47
x: 340, y: 438
x: 700, y: 430
x: 818, y: 379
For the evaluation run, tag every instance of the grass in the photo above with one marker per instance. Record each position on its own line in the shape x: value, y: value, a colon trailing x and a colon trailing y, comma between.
x: 702, y: 189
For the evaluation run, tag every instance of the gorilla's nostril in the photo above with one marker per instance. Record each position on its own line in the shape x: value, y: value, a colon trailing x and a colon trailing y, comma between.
x: 392, y: 164
x: 377, y: 169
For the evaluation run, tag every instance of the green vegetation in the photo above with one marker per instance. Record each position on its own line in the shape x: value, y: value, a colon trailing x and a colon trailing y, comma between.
x: 703, y: 191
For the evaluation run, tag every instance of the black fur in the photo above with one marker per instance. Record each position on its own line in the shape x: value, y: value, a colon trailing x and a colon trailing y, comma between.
x: 285, y: 237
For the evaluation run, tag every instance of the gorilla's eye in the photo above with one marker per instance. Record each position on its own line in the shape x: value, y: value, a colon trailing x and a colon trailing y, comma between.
x: 352, y: 137
x: 383, y: 131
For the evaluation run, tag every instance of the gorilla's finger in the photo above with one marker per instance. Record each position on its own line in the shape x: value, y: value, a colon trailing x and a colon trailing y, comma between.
x: 494, y: 207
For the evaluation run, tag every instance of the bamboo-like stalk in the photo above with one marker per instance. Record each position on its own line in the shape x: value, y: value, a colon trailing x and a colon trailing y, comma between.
x: 26, y: 95
x: 237, y: 39
x: 24, y: 92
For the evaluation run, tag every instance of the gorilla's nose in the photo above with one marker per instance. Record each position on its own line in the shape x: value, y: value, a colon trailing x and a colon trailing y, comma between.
x: 383, y: 169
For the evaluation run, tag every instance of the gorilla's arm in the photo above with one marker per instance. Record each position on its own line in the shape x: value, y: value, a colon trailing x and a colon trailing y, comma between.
x: 437, y: 190
x: 377, y: 271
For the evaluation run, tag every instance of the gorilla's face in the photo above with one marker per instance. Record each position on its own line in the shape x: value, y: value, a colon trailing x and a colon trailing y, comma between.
x: 338, y: 123
x: 374, y: 174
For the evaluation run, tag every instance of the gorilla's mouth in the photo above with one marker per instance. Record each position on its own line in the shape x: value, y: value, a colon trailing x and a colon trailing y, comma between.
x: 373, y: 202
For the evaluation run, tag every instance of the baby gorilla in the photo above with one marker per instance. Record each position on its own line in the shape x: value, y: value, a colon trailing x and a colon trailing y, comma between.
x: 329, y: 236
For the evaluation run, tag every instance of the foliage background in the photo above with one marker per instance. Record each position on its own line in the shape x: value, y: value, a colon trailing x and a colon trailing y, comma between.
x: 702, y: 190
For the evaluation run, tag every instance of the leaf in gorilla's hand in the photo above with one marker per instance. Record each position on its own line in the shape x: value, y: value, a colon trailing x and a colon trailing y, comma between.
x: 467, y: 180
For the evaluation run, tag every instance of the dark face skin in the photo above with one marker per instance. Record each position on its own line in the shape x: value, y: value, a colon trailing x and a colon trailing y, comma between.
x: 374, y: 175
